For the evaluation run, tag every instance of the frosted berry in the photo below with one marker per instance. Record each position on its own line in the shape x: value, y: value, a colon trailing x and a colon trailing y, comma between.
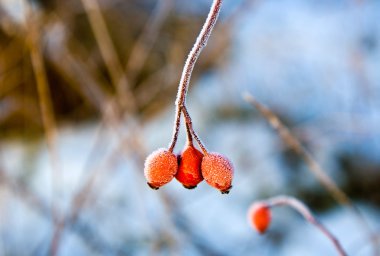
x: 217, y: 171
x: 259, y: 217
x: 160, y: 168
x: 189, y: 170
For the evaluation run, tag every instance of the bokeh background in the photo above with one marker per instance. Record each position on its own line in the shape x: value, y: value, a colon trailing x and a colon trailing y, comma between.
x: 87, y: 91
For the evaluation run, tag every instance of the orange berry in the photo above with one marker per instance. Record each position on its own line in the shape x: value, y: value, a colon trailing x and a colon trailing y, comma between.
x: 217, y: 171
x: 259, y: 217
x: 189, y: 170
x: 160, y: 168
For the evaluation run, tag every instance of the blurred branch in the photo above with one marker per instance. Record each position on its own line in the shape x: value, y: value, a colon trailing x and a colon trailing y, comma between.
x: 290, y: 140
x: 89, y: 85
x: 144, y: 43
x: 82, y: 229
x: 294, y: 144
x: 83, y: 80
x: 47, y: 112
x: 107, y: 50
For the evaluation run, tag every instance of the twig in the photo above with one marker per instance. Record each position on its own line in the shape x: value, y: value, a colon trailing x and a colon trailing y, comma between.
x: 144, y: 43
x: 47, y: 115
x: 307, y: 214
x: 113, y: 65
x: 27, y: 196
x: 291, y: 141
x: 313, y: 165
x: 200, y: 43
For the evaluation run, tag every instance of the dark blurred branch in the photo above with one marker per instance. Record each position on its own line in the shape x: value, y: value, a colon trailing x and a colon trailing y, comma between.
x: 107, y: 50
x: 47, y: 112
x: 144, y: 43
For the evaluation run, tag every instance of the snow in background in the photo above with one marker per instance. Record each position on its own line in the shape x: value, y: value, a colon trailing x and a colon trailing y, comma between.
x: 315, y: 62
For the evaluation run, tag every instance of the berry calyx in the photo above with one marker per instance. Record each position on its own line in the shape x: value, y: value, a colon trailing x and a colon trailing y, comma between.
x: 189, y: 170
x: 259, y: 217
x: 217, y: 171
x: 160, y: 168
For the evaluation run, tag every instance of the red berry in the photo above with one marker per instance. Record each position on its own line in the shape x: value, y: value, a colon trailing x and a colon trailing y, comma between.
x: 217, y: 171
x: 189, y: 170
x: 259, y: 217
x: 160, y: 168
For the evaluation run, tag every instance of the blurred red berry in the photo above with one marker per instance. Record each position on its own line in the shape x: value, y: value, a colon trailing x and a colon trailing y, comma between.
x: 217, y: 171
x: 160, y: 168
x: 259, y: 217
x: 189, y: 170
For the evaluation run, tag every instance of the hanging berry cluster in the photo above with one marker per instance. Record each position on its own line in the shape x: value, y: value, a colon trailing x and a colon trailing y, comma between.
x: 192, y: 165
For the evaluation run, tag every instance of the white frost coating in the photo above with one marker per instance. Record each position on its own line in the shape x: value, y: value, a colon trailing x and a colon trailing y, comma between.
x: 217, y: 170
x: 200, y: 43
x: 160, y: 167
x: 189, y: 66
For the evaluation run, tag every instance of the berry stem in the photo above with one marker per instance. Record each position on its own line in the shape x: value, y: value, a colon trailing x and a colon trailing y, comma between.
x: 177, y: 124
x: 189, y: 126
x: 308, y: 215
x: 189, y: 135
x: 199, y: 44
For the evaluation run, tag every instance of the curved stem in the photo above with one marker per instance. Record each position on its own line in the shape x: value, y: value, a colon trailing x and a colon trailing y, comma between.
x: 177, y: 123
x: 199, y: 44
x: 308, y: 215
x: 189, y: 126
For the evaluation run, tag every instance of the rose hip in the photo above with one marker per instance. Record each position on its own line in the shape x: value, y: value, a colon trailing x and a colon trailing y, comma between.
x: 160, y: 168
x: 217, y: 171
x: 189, y: 171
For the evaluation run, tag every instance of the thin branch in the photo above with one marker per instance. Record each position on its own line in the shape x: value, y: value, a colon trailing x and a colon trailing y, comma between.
x: 47, y: 114
x: 109, y: 55
x: 82, y: 229
x: 292, y: 142
x: 313, y: 165
x: 144, y: 43
x: 200, y: 43
x: 307, y: 214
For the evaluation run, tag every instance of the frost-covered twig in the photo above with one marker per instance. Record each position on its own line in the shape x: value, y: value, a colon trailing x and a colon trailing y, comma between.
x: 200, y: 43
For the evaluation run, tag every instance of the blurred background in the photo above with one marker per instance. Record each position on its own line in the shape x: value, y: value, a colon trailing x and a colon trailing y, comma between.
x: 87, y: 91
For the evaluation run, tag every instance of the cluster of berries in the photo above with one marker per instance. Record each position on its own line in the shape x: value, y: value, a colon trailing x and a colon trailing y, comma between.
x: 192, y: 166
x: 189, y: 168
